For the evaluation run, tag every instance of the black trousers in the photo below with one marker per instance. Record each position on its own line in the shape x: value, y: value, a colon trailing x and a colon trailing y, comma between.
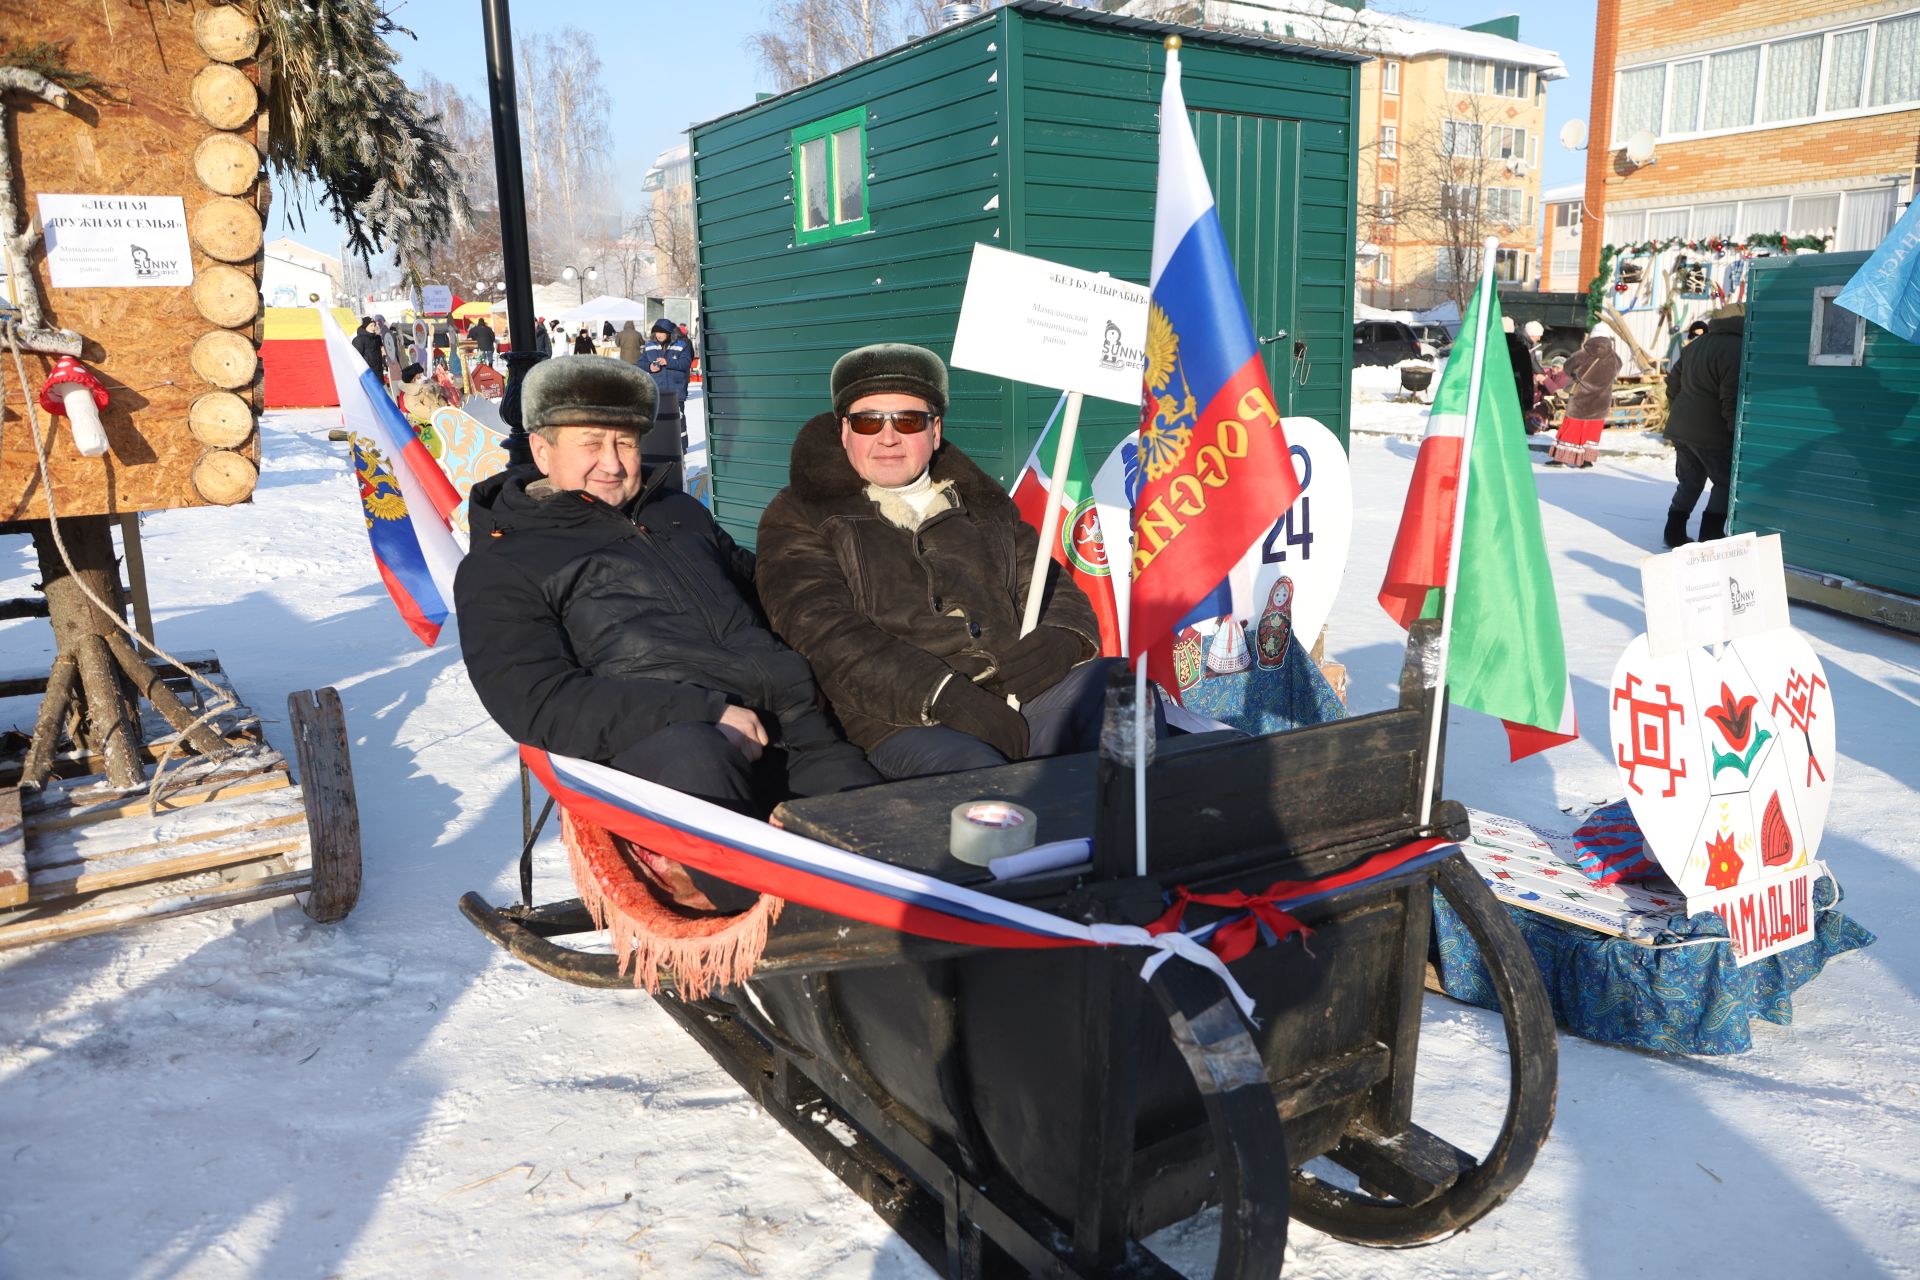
x: 696, y: 759
x: 1063, y: 720
x: 1695, y: 466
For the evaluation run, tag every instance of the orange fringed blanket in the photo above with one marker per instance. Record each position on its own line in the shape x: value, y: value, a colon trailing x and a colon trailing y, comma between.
x: 662, y: 926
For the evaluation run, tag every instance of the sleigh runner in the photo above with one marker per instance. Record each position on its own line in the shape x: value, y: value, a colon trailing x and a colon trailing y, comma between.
x: 1019, y: 1104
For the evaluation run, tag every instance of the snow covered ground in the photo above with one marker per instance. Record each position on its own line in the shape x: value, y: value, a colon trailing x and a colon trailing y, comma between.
x: 248, y: 1094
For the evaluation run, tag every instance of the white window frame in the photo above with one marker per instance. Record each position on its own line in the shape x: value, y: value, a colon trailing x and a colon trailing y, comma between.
x: 1871, y: 27
x: 1390, y: 77
x: 1389, y: 142
x: 1383, y: 268
x: 1387, y: 212
x: 1483, y: 69
x: 1452, y: 129
x: 1822, y: 298
x: 1517, y: 69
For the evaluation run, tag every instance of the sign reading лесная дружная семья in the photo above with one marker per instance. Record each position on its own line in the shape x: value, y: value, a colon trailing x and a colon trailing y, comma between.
x: 116, y: 242
x: 1029, y: 320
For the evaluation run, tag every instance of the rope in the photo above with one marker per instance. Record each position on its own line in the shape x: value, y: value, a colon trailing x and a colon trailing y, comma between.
x: 222, y: 699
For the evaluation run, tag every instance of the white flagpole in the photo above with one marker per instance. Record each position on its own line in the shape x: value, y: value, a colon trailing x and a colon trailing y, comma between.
x: 1050, y: 525
x: 1488, y: 248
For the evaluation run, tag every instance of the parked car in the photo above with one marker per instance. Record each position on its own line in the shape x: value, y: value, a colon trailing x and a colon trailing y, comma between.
x: 1388, y: 342
x: 1435, y: 336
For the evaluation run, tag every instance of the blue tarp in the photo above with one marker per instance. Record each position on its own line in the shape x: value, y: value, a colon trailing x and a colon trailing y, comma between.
x: 1674, y: 999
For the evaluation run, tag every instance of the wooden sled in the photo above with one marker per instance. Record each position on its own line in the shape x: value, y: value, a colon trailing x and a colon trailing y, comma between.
x: 1015, y: 1112
x: 78, y: 857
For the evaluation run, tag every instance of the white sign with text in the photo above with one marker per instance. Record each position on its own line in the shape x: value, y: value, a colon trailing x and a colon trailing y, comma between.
x: 116, y: 242
x: 1030, y: 320
x: 1708, y: 593
x: 435, y: 299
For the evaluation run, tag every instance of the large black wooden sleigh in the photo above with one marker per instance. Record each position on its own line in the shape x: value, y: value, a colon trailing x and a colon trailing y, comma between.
x: 1041, y: 1112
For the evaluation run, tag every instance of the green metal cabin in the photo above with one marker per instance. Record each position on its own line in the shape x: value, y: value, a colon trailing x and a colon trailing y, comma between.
x: 845, y: 212
x: 1828, y: 452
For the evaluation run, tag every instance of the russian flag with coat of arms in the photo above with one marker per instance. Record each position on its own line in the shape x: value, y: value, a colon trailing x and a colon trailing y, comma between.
x: 407, y: 498
x: 1214, y: 458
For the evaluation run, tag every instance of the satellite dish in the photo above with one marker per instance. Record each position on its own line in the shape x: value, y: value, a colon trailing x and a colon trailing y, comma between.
x: 1640, y: 147
x: 1573, y: 135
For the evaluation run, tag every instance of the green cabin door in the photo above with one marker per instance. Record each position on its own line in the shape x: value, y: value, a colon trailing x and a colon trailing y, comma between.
x: 1253, y: 163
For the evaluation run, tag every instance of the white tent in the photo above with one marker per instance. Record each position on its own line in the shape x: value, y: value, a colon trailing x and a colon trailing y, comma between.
x: 605, y: 307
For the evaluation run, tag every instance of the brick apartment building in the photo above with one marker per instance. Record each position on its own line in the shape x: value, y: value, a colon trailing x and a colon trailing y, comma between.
x: 1448, y: 116
x: 1560, y: 238
x: 1796, y: 117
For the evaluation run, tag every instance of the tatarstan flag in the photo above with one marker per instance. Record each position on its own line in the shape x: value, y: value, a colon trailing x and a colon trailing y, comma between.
x: 1506, y: 656
x: 1079, y: 546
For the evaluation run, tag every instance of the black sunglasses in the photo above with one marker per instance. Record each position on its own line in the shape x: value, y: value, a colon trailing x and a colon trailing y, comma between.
x: 908, y: 422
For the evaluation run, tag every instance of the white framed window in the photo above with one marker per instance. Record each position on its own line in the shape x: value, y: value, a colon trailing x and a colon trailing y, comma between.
x: 1456, y: 262
x: 1637, y: 105
x: 1386, y: 204
x: 1666, y: 224
x: 1565, y: 262
x: 1510, y: 265
x: 1626, y: 228
x: 1683, y: 97
x: 1466, y: 75
x: 1460, y: 198
x: 1760, y: 217
x: 1389, y: 77
x: 1859, y: 69
x: 1865, y: 219
x: 1838, y: 337
x: 1506, y: 141
x: 1509, y: 81
x: 1814, y: 215
x: 1389, y: 142
x: 1383, y: 267
x: 1504, y: 205
x: 1460, y: 139
x: 1712, y: 221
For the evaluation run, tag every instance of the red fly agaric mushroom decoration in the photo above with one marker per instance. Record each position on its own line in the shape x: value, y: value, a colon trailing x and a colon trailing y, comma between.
x: 73, y: 391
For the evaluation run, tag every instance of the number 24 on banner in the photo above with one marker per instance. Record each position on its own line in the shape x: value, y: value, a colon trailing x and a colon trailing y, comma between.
x: 1270, y: 550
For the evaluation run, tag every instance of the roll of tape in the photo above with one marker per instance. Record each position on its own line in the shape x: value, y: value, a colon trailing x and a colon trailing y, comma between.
x: 983, y: 830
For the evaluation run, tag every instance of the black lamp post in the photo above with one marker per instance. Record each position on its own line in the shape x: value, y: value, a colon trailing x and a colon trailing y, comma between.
x: 518, y: 285
x: 581, y: 277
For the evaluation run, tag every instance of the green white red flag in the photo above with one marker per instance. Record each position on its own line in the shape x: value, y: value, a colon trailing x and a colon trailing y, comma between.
x: 1506, y: 656
x: 1079, y: 546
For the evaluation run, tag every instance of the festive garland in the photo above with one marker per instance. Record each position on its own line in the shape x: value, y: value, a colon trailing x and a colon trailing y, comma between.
x: 1772, y: 241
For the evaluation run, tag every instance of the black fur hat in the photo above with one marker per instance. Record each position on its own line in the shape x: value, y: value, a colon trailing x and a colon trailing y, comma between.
x: 889, y: 366
x: 588, y: 391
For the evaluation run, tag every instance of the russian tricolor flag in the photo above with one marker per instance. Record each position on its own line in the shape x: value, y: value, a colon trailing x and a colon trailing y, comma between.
x: 407, y: 498
x: 1214, y: 457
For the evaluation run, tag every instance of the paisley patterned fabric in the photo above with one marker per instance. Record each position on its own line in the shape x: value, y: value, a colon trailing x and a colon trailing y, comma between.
x: 1264, y: 699
x: 1684, y: 999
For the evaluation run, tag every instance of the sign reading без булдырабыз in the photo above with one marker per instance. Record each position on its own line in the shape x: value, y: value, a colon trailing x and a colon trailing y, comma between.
x: 1030, y: 320
x: 116, y: 242
x: 1728, y: 752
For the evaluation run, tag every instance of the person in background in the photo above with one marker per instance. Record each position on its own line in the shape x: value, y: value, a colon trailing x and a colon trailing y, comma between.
x: 1523, y: 383
x: 367, y: 342
x: 542, y: 339
x: 630, y: 343
x: 668, y: 358
x: 562, y: 345
x: 583, y: 342
x: 606, y: 330
x: 483, y: 340
x: 1703, y: 397
x: 1593, y: 369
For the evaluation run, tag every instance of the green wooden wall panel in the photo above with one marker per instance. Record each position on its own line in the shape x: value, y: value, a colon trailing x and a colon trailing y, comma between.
x: 1058, y: 119
x: 1828, y: 456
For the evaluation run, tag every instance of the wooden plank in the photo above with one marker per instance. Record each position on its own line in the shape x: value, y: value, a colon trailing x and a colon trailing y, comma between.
x: 114, y: 870
x: 69, y: 792
x: 126, y: 804
x: 19, y: 683
x: 140, y: 833
x: 165, y: 905
x: 13, y: 849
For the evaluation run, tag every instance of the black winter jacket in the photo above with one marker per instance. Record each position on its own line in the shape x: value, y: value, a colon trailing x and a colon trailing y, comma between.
x: 1703, y: 387
x: 587, y: 628
x: 885, y: 615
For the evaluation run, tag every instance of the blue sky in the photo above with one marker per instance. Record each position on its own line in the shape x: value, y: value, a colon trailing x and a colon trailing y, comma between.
x: 670, y: 64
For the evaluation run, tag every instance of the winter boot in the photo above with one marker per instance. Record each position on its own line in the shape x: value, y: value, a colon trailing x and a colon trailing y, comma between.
x: 1712, y: 525
x: 1677, y: 529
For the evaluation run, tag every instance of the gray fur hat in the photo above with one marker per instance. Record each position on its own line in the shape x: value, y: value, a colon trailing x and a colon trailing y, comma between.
x: 889, y: 367
x: 588, y: 391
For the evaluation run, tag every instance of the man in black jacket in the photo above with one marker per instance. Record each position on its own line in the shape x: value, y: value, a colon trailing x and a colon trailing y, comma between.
x: 900, y: 569
x: 612, y: 621
x: 1703, y: 397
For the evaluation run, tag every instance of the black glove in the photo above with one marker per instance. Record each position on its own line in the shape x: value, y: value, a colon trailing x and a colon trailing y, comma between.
x: 1036, y: 662
x: 965, y: 706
